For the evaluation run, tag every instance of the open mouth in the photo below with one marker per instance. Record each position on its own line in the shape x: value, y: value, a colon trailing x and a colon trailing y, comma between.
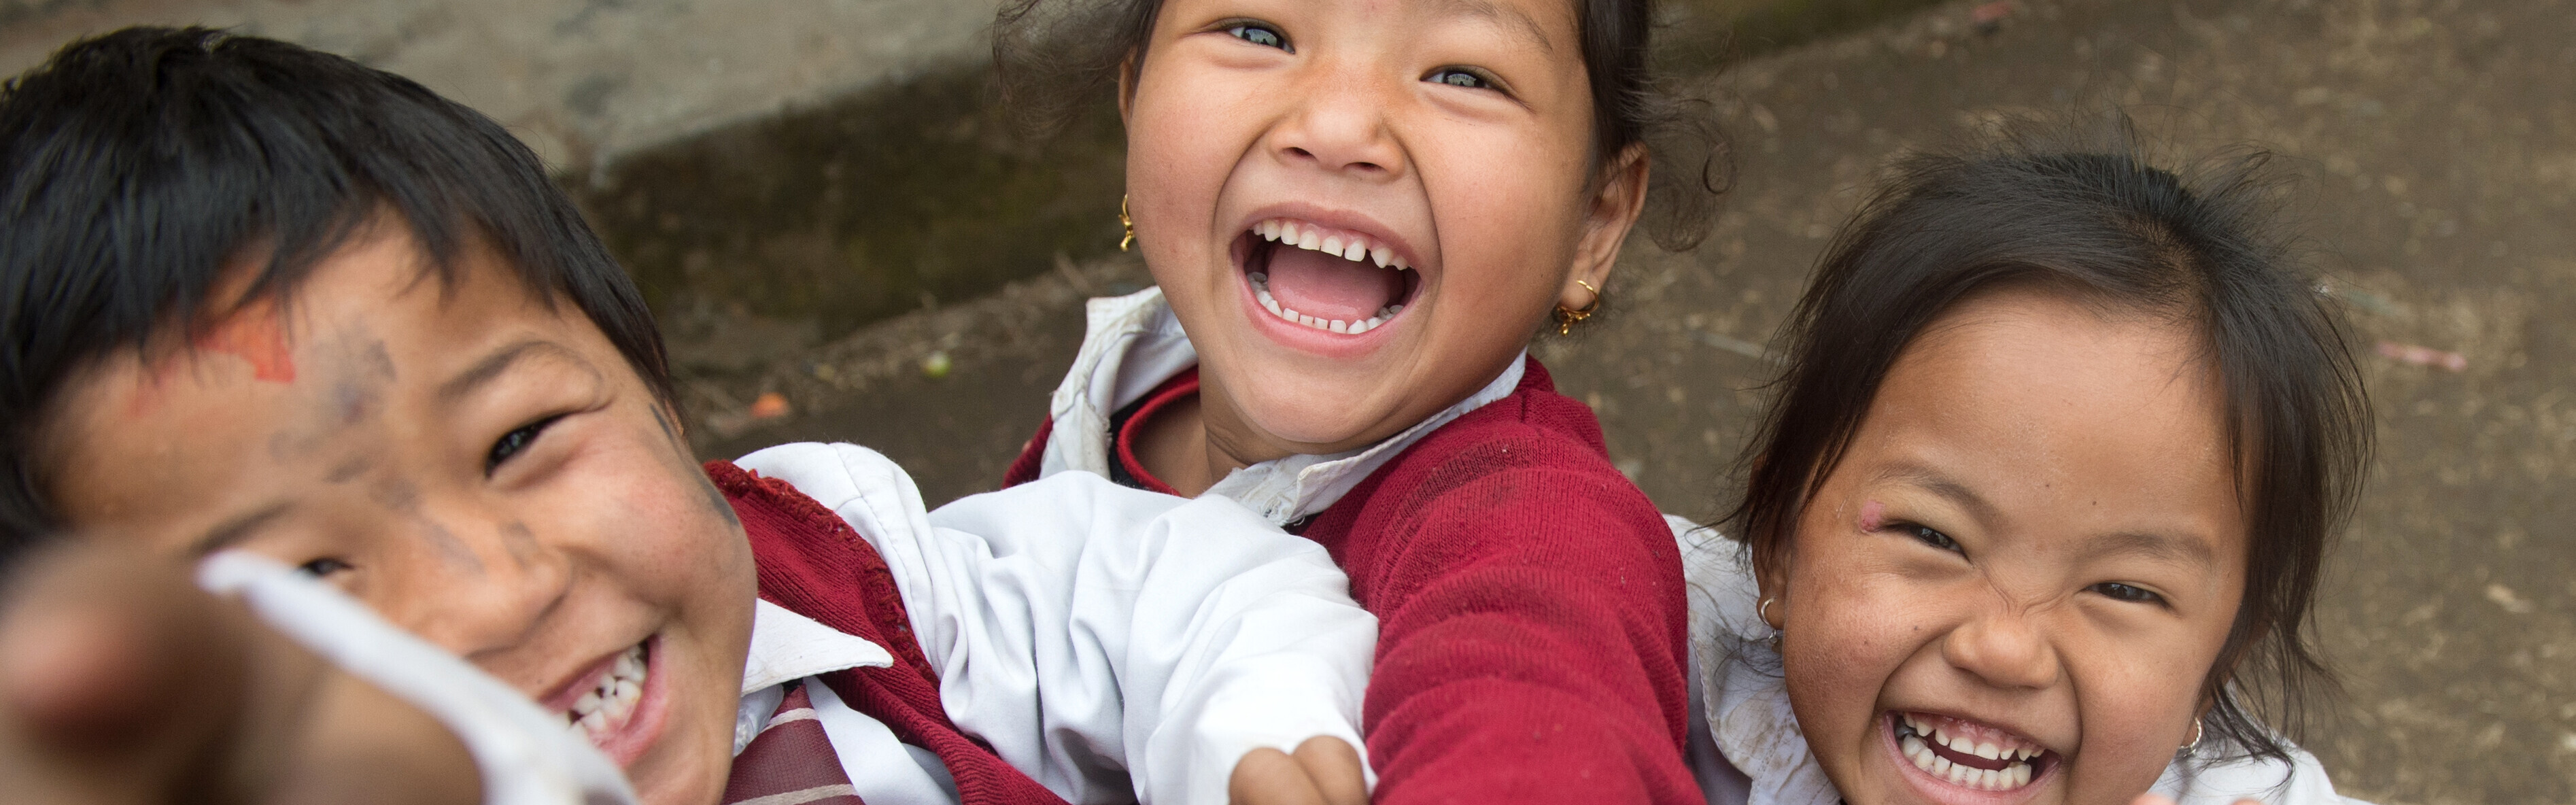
x: 618, y: 704
x: 1969, y: 754
x: 1321, y: 278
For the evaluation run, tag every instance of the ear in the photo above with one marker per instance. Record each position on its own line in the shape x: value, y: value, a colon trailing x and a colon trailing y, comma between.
x: 1126, y: 87
x: 1616, y: 201
x: 1771, y: 575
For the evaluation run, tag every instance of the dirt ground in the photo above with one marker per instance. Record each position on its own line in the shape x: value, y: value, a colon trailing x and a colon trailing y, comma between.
x: 2434, y: 148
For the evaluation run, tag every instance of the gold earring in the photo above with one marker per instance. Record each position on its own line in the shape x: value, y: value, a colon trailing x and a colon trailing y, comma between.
x: 1126, y: 223
x: 1567, y: 317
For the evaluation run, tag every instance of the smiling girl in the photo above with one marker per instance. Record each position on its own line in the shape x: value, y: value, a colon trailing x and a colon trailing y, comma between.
x: 1358, y: 214
x: 2042, y: 503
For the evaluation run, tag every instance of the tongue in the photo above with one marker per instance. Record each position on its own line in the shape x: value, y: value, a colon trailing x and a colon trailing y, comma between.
x: 1329, y: 287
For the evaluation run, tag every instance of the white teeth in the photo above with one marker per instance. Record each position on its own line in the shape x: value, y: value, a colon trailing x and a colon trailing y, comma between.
x: 607, y: 705
x: 1261, y: 292
x: 1917, y: 744
x: 1311, y: 238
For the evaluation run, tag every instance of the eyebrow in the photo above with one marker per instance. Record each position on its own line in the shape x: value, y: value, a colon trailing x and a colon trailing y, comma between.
x: 491, y: 366
x: 229, y: 532
x: 1943, y: 486
x: 2162, y: 547
x: 1494, y: 11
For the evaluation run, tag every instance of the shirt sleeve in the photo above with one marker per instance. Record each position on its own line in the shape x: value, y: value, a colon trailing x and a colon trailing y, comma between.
x: 1114, y: 643
x: 1533, y: 648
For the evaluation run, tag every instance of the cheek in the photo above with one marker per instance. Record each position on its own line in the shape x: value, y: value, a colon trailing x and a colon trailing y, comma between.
x: 1847, y: 634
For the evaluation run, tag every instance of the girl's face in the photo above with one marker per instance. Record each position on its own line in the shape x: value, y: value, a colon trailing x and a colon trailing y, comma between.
x: 1360, y: 209
x: 2013, y: 584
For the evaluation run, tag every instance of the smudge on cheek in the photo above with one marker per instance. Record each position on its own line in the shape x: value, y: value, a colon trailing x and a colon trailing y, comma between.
x: 450, y: 549
x: 716, y: 500
x: 1873, y: 516
x: 520, y: 542
x: 349, y: 470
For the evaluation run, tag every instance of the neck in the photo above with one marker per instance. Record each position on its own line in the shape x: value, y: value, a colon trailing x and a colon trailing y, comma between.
x: 1192, y: 444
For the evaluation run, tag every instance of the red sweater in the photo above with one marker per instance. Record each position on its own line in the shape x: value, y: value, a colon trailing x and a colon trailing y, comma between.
x: 1532, y: 624
x: 812, y: 563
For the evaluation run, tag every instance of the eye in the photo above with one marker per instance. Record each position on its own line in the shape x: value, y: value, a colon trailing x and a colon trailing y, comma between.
x: 1464, y: 78
x: 514, y: 442
x: 1928, y: 536
x: 323, y: 568
x: 1259, y: 34
x: 2127, y: 592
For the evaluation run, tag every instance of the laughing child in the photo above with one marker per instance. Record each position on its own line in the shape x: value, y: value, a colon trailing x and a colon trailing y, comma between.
x: 261, y: 299
x: 1358, y: 215
x: 2038, y: 513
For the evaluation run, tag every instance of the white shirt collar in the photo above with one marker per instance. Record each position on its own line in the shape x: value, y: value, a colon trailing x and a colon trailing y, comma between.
x: 1134, y: 343
x: 785, y: 646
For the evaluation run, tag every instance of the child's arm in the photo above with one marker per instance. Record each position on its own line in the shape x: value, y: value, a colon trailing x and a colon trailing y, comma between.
x: 1533, y: 643
x: 1107, y: 640
x: 120, y: 682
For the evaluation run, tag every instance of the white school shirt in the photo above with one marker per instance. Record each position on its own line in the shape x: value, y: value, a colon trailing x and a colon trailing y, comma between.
x: 1745, y: 746
x: 1133, y: 343
x: 1116, y: 645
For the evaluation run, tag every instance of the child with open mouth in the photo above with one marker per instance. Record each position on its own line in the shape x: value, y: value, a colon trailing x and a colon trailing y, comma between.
x: 1358, y: 214
x: 2038, y: 511
x: 262, y: 301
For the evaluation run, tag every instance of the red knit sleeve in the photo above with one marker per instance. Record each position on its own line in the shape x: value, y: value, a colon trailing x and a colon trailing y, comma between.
x: 1532, y: 639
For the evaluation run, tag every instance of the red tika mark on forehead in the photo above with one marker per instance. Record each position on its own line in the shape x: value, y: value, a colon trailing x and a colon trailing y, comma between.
x: 257, y: 335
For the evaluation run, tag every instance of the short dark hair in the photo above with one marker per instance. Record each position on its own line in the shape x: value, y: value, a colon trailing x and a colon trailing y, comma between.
x: 2079, y: 210
x: 1053, y: 56
x: 135, y: 166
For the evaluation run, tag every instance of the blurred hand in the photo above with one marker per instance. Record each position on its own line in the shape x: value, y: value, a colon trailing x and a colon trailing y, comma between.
x: 121, y: 682
x: 1325, y: 771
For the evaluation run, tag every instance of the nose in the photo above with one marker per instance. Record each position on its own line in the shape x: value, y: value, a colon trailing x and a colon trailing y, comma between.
x: 476, y: 590
x: 1339, y: 124
x: 2003, y: 648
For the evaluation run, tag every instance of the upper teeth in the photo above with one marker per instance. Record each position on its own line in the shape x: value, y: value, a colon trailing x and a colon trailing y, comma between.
x: 1350, y: 246
x: 2014, y: 775
x: 613, y: 700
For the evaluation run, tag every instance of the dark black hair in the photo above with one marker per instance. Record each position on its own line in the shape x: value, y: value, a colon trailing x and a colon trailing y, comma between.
x: 135, y: 166
x: 2080, y: 211
x: 1054, y: 56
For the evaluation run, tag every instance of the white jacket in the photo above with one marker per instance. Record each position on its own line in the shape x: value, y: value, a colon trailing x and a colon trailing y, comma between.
x: 1112, y: 643
x: 1746, y: 748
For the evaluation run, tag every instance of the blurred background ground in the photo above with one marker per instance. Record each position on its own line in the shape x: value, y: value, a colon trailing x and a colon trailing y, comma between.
x: 824, y: 207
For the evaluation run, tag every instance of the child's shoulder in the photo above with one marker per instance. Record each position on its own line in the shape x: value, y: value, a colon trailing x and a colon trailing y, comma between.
x: 1534, y: 439
x: 1534, y: 456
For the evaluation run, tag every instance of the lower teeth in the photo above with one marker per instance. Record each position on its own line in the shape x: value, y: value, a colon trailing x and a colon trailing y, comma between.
x: 1261, y: 292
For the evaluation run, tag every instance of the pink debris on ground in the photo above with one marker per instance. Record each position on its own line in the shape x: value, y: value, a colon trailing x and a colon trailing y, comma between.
x: 770, y: 406
x: 1991, y: 13
x: 2413, y: 355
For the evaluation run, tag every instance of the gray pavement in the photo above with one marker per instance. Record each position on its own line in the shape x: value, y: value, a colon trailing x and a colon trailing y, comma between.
x: 582, y: 81
x: 2435, y: 144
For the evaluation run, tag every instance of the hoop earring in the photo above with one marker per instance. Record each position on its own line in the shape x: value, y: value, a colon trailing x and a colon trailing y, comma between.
x: 1763, y: 611
x: 1125, y: 223
x: 2195, y: 736
x: 1567, y: 317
